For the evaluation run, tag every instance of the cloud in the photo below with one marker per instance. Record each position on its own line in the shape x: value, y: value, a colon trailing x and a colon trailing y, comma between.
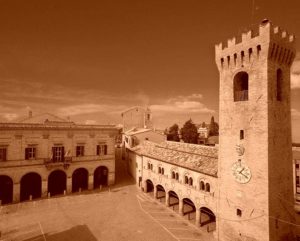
x: 295, y: 73
x: 9, y: 116
x: 90, y: 122
x: 183, y: 104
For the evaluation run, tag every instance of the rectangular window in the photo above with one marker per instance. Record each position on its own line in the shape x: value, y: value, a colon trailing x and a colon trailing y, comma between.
x: 239, y: 212
x: 241, y: 134
x: 101, y: 150
x: 58, y: 153
x: 297, y: 181
x: 297, y: 166
x: 2, y: 154
x: 79, y: 150
x: 30, y: 153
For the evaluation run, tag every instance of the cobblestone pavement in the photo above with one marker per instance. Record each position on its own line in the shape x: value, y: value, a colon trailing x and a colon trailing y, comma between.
x: 120, y: 213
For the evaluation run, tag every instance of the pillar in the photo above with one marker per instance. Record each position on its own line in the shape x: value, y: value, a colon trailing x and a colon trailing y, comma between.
x: 155, y: 192
x: 180, y: 210
x: 167, y: 199
x: 16, y: 192
x: 198, y: 217
x: 145, y: 186
x: 44, y: 188
x: 69, y: 184
x: 91, y: 182
x: 111, y: 179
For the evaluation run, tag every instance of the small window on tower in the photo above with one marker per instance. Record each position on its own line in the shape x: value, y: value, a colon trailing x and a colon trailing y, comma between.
x: 234, y: 58
x: 250, y: 53
x: 241, y: 134
x: 242, y: 56
x: 258, y: 49
x: 239, y: 212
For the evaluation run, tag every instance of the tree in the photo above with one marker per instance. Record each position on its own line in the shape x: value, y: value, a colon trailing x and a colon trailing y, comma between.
x: 189, y: 132
x: 213, y: 127
x: 172, y: 134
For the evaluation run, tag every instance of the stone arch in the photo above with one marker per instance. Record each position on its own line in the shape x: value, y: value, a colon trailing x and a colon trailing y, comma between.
x: 101, y: 176
x: 189, y: 209
x: 160, y: 192
x: 241, y: 86
x: 57, y: 182
x: 80, y: 179
x: 6, y: 189
x: 173, y: 201
x: 150, y: 185
x: 30, y: 186
x: 207, y: 217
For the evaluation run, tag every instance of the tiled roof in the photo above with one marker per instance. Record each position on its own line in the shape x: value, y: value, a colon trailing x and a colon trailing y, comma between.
x: 199, y: 158
x: 135, y: 131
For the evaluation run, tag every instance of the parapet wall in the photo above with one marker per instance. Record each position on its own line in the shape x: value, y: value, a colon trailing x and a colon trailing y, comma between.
x: 279, y: 42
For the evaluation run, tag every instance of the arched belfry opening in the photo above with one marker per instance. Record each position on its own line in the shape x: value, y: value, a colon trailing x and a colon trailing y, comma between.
x: 240, y: 86
x: 279, y: 80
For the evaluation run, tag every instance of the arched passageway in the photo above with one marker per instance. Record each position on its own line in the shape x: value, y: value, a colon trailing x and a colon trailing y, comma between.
x: 189, y: 209
x: 80, y: 180
x: 173, y: 200
x: 149, y: 186
x: 207, y: 218
x: 6, y: 189
x: 30, y: 186
x: 100, y: 176
x: 57, y: 182
x: 161, y: 193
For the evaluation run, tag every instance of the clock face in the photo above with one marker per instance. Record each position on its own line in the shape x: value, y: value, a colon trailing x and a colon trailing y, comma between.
x: 241, y: 172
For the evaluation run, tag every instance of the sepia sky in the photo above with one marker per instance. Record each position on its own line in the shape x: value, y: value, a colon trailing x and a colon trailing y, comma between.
x: 92, y: 59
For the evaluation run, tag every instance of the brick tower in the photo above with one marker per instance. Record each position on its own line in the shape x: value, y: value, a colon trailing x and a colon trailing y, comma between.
x: 255, y: 155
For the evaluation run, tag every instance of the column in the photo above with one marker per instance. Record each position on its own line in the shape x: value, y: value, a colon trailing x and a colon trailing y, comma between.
x: 145, y: 186
x: 16, y: 193
x: 155, y: 192
x: 167, y: 199
x: 91, y: 182
x: 44, y: 188
x: 69, y: 184
x: 180, y: 210
x: 198, y: 217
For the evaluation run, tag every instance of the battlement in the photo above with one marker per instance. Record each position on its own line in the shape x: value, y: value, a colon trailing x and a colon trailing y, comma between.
x: 280, y: 43
x: 266, y: 30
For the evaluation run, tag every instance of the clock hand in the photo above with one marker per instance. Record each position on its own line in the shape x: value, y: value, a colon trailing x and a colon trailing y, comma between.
x: 240, y: 172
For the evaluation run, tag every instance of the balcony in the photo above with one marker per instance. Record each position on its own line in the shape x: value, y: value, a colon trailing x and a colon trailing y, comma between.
x: 50, y: 163
x: 241, y: 95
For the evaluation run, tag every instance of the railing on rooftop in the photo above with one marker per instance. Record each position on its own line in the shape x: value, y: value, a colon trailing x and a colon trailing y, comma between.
x: 241, y: 95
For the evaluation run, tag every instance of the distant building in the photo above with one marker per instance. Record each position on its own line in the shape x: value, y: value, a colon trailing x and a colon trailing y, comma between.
x: 296, y: 169
x: 46, y: 155
x: 137, y: 117
x: 136, y: 136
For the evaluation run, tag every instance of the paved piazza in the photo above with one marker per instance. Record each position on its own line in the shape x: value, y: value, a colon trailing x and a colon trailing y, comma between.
x: 120, y: 213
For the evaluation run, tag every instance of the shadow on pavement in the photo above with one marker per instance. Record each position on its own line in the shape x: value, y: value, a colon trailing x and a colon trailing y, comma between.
x: 77, y: 233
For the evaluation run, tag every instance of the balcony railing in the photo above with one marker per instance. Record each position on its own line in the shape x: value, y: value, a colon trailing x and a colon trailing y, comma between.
x: 241, y: 95
x: 50, y: 163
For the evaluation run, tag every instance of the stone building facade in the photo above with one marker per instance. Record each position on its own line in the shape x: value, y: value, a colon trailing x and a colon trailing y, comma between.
x: 182, y: 175
x: 55, y: 157
x: 137, y: 117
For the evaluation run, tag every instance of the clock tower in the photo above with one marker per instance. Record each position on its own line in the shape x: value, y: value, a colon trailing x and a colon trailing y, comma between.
x: 255, y: 151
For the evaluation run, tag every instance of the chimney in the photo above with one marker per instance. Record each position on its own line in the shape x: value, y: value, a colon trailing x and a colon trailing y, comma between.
x: 30, y: 113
